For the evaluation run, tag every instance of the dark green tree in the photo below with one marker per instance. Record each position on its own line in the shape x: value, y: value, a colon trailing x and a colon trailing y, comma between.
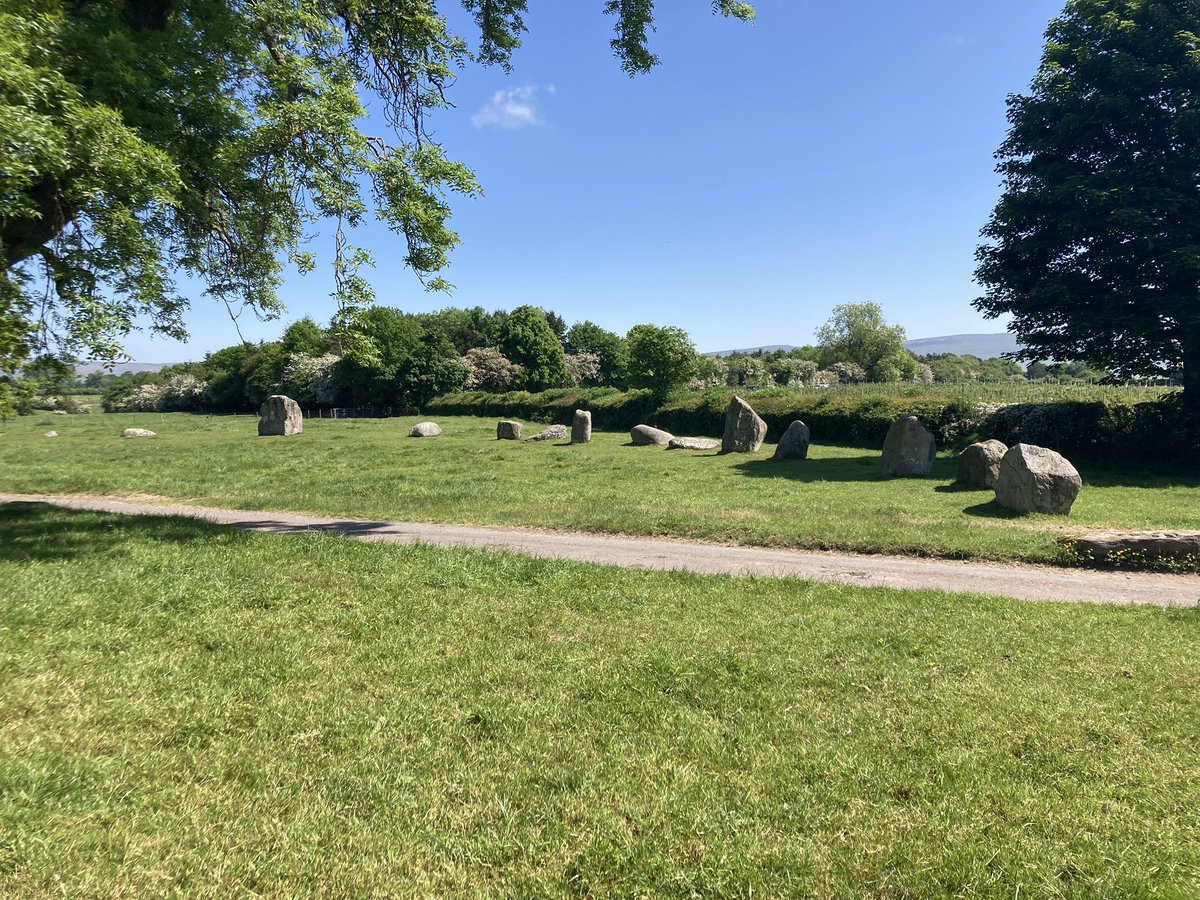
x: 1094, y: 246
x: 588, y: 337
x: 661, y: 359
x: 527, y: 339
x: 857, y: 334
x: 433, y: 368
x: 304, y: 336
x: 148, y: 137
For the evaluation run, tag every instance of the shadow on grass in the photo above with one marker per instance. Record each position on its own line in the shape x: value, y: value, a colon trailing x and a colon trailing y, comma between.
x: 992, y: 510
x: 40, y: 531
x: 955, y: 488
x: 854, y: 468
x: 1150, y: 478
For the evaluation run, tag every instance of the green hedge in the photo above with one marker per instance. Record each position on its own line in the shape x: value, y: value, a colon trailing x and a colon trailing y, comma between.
x: 1092, y: 430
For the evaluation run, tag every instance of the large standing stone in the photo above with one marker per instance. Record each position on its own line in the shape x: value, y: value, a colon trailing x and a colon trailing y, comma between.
x: 744, y: 430
x: 644, y: 435
x: 692, y: 443
x: 280, y: 415
x: 1036, y: 479
x: 581, y: 427
x: 553, y: 433
x: 979, y: 464
x: 425, y: 429
x: 509, y: 430
x: 908, y: 449
x: 794, y: 443
x: 138, y: 432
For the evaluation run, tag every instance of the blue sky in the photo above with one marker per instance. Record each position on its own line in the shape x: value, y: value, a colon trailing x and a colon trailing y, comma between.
x: 829, y: 153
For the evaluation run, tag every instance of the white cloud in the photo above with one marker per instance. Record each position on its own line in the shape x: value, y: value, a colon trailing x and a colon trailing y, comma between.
x: 511, y: 108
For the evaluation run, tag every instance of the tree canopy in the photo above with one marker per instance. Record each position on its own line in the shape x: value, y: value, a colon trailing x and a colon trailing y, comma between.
x: 1094, y: 246
x: 661, y: 359
x: 857, y: 335
x: 146, y: 138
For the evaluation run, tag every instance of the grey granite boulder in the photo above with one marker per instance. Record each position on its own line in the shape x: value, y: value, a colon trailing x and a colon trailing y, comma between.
x: 692, y: 443
x: 581, y: 427
x: 138, y: 432
x: 908, y: 449
x: 1036, y: 479
x: 979, y: 464
x: 50, y: 434
x: 509, y: 430
x: 794, y: 443
x: 280, y: 416
x: 553, y: 433
x: 644, y: 435
x: 1138, y: 546
x: 744, y: 430
x: 425, y: 429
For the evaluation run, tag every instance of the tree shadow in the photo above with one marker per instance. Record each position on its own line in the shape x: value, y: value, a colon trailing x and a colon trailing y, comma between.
x: 1149, y: 477
x: 993, y: 510
x: 42, y: 531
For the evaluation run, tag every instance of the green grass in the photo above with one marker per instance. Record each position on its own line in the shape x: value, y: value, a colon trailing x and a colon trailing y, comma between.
x: 372, y: 469
x: 189, y: 711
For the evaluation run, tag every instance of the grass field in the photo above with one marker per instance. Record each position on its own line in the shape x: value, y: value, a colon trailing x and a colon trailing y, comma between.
x: 371, y: 469
x: 189, y: 711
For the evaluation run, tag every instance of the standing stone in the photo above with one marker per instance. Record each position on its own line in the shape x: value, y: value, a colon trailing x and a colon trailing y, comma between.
x: 645, y: 435
x: 744, y: 430
x: 137, y: 432
x: 794, y: 443
x: 979, y: 464
x: 692, y: 443
x: 280, y: 415
x: 1036, y: 479
x: 509, y: 430
x: 908, y: 449
x: 553, y: 433
x: 425, y: 429
x: 581, y: 427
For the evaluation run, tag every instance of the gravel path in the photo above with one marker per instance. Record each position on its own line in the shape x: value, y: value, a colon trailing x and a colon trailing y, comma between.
x: 1021, y: 582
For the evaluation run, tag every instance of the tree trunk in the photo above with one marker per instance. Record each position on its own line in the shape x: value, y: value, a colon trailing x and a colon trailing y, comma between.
x: 22, y: 238
x: 1190, y: 344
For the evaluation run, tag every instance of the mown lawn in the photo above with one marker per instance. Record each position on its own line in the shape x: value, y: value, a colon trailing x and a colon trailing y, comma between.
x: 372, y: 469
x: 190, y: 711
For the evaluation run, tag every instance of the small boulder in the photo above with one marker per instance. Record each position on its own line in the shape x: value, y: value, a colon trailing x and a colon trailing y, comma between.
x: 692, y: 443
x: 794, y: 443
x: 553, y: 433
x: 1036, y: 479
x: 509, y: 430
x: 644, y: 435
x: 908, y: 449
x: 744, y: 430
x: 137, y: 432
x: 581, y: 427
x: 979, y: 464
x: 1142, y: 546
x: 425, y: 429
x: 50, y: 434
x: 280, y: 416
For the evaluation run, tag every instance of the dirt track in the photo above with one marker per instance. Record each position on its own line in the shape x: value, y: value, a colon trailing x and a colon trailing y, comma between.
x: 1021, y: 582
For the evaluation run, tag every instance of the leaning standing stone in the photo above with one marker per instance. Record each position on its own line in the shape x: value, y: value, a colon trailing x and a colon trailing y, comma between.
x: 425, y: 429
x: 644, y: 435
x: 137, y: 432
x: 553, y: 433
x: 979, y: 464
x: 509, y: 430
x: 280, y: 415
x: 1036, y: 479
x: 581, y: 427
x: 908, y: 449
x: 744, y: 430
x: 794, y: 443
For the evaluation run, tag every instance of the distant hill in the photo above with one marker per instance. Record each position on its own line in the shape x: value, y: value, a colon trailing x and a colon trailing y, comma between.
x: 985, y: 346
x: 118, y: 368
x: 768, y: 349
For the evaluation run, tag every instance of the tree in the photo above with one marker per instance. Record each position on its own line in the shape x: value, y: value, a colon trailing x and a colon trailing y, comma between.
x: 148, y: 137
x: 857, y: 334
x: 1093, y: 246
x: 588, y: 337
x: 489, y: 370
x: 527, y: 339
x: 661, y: 359
x: 303, y: 337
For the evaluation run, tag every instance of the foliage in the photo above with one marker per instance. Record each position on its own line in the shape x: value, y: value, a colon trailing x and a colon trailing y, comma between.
x: 146, y: 137
x: 588, y: 337
x: 660, y: 359
x: 312, y: 379
x: 857, y: 334
x: 303, y: 337
x: 527, y: 339
x: 950, y: 367
x: 583, y: 369
x: 1092, y: 247
x: 430, y: 370
x: 490, y: 370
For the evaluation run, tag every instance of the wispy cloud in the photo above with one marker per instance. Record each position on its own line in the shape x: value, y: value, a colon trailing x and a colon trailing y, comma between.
x: 512, y: 108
